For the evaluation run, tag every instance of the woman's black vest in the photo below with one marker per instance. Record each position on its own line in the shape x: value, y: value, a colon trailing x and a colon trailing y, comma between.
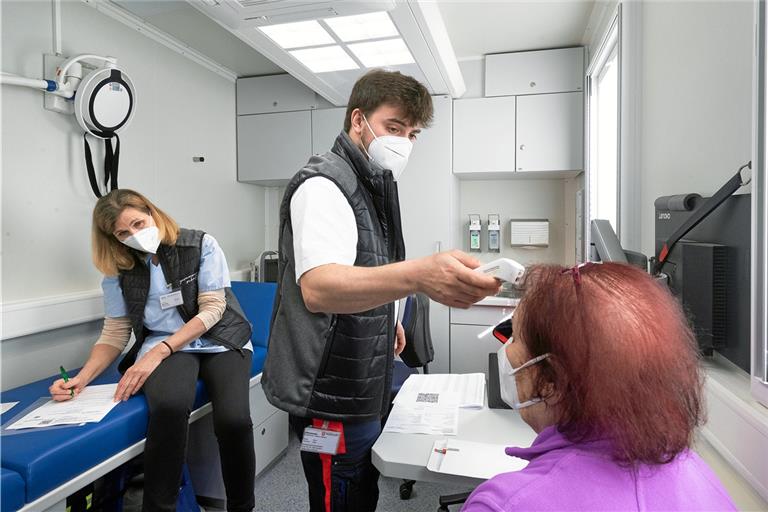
x: 180, y: 263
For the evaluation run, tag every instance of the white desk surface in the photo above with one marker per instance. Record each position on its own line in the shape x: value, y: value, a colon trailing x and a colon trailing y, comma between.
x: 406, y: 455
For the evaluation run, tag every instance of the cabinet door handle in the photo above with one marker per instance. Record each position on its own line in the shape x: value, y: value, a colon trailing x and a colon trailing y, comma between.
x: 438, y: 246
x: 533, y: 84
x: 522, y: 147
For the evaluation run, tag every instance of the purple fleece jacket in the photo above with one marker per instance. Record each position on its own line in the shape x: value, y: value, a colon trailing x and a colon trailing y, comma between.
x: 568, y: 476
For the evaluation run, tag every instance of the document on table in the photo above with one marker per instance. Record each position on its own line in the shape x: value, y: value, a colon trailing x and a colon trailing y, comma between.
x: 444, y: 389
x: 91, y: 405
x: 423, y: 419
x: 7, y: 406
x: 468, y: 458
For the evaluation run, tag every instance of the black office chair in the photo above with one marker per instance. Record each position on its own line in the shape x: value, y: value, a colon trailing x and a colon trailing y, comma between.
x: 418, y: 353
x: 452, y: 499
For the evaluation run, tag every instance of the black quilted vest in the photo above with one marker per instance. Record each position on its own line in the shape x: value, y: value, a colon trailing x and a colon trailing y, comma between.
x: 334, y: 366
x: 180, y: 263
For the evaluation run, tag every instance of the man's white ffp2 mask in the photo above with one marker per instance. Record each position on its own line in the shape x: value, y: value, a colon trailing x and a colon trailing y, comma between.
x: 390, y: 151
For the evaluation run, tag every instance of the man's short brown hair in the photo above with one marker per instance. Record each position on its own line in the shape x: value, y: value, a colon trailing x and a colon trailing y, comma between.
x: 379, y: 87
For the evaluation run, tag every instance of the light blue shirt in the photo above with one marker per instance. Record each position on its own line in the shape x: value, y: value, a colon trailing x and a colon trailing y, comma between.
x: 213, y: 275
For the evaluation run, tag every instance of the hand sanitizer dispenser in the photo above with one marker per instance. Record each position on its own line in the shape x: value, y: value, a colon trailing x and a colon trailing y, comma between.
x: 494, y: 233
x: 474, y: 233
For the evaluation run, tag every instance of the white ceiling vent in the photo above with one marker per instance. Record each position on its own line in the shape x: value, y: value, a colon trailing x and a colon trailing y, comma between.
x: 238, y: 14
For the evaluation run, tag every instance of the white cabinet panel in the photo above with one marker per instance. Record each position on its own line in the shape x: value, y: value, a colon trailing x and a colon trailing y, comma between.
x: 425, y: 189
x: 550, y: 132
x: 483, y: 135
x: 326, y: 126
x: 536, y: 72
x: 260, y: 408
x: 480, y: 315
x: 271, y: 148
x: 275, y: 93
x: 469, y: 354
x: 270, y: 438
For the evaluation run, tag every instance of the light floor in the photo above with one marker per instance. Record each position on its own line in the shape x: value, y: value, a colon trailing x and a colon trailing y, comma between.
x: 742, y: 494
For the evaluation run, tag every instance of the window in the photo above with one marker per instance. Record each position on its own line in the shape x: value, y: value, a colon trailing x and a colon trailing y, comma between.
x: 603, y: 113
x: 760, y: 219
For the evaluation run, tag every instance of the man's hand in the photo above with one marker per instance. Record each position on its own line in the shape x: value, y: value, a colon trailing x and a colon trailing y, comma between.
x: 449, y: 278
x: 137, y: 374
x: 399, y: 339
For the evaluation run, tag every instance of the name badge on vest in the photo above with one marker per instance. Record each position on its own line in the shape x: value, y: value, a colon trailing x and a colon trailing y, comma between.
x: 320, y: 440
x: 171, y: 300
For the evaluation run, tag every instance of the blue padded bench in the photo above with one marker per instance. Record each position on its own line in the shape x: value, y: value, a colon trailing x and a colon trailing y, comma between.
x: 11, y: 490
x: 47, y: 459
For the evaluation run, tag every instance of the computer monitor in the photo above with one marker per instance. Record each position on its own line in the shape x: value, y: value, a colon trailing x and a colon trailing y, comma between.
x: 709, y: 271
x: 606, y: 246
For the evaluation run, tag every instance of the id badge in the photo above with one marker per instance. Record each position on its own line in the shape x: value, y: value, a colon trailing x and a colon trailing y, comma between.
x: 171, y: 300
x: 320, y: 440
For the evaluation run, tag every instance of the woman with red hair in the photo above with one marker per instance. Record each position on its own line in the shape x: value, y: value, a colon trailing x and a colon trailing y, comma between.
x: 603, y: 366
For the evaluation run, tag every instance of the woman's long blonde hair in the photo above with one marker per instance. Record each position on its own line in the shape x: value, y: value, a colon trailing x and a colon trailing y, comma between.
x: 109, y: 254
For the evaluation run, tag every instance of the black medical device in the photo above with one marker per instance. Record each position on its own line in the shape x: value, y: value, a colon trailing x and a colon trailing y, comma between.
x: 708, y: 266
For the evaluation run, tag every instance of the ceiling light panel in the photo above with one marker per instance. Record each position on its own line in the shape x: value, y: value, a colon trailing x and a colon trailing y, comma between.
x: 391, y: 52
x: 375, y: 25
x: 298, y: 35
x: 325, y: 59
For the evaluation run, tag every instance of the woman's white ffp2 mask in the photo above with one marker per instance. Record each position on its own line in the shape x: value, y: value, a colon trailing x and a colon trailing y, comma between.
x: 390, y: 151
x: 146, y: 240
x: 507, y: 381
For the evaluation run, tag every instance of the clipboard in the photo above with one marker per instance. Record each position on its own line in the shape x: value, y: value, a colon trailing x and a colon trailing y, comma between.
x: 5, y: 431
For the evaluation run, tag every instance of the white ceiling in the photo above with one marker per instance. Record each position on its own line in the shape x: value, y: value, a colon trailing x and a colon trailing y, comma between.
x: 475, y: 27
x: 179, y: 19
x: 480, y: 27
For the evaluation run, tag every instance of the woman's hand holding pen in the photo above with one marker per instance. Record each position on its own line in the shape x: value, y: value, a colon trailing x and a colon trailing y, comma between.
x: 62, y: 391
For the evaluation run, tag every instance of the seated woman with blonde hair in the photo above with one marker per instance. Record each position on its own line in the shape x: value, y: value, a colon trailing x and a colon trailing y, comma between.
x: 603, y: 366
x: 170, y: 286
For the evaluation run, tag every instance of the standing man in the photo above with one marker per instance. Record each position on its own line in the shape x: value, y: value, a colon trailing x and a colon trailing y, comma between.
x: 342, y: 265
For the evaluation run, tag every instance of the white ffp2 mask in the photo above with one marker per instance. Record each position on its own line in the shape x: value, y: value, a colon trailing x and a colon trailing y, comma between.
x: 390, y: 151
x: 146, y: 240
x: 507, y: 381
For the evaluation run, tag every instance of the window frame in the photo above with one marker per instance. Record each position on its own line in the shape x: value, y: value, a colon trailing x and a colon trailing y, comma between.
x: 759, y: 256
x: 611, y: 40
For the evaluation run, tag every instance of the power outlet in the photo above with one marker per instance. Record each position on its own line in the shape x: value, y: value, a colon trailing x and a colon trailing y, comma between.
x: 51, y: 101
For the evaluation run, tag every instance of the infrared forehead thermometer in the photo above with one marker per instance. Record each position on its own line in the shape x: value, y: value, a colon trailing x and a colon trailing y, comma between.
x: 503, y: 269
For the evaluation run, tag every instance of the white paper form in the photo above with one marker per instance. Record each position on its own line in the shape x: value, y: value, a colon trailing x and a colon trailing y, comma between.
x: 7, y: 406
x: 444, y: 389
x: 423, y: 419
x: 468, y: 458
x: 91, y: 405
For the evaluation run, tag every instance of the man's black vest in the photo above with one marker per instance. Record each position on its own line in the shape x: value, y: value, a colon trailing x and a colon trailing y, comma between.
x: 334, y: 366
x: 180, y: 263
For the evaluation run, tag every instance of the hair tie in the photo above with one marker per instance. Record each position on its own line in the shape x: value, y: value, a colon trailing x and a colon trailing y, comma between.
x: 575, y: 271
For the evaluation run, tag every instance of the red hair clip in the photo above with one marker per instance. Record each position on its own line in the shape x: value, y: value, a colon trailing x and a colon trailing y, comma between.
x: 574, y: 271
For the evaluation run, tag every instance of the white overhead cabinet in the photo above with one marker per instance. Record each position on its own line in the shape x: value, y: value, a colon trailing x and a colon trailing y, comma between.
x: 270, y: 94
x: 531, y: 119
x: 484, y: 135
x: 550, y: 132
x: 326, y: 126
x: 271, y: 148
x: 536, y: 72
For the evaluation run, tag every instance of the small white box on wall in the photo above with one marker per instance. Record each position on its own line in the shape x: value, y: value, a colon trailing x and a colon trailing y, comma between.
x: 529, y: 233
